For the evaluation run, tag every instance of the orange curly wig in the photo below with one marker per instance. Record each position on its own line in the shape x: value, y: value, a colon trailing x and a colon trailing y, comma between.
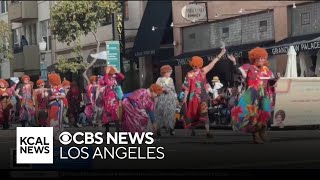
x: 4, y: 83
x: 65, y: 83
x: 25, y: 77
x: 93, y: 79
x: 156, y: 89
x: 54, y: 79
x: 196, y: 62
x: 112, y: 70
x: 257, y: 53
x: 39, y: 82
x: 165, y: 69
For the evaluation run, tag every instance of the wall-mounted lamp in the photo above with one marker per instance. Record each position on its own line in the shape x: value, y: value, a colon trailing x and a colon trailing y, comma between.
x: 171, y: 24
x: 42, y: 47
x: 241, y: 11
x: 175, y: 43
x: 294, y: 5
x: 154, y: 28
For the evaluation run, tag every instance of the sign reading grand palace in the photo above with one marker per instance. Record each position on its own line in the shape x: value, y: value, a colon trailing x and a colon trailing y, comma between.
x: 297, y: 47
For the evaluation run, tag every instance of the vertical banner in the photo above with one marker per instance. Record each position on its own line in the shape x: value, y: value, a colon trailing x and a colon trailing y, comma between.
x: 297, y: 102
x: 113, y: 54
x: 119, y: 32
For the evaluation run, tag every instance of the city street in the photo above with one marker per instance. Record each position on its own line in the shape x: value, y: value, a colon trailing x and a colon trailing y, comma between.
x: 227, y: 150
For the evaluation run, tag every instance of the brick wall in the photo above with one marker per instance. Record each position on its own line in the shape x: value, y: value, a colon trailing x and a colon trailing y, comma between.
x: 242, y: 30
x: 305, y: 19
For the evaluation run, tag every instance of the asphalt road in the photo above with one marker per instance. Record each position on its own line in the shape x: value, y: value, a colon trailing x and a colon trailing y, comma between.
x: 227, y: 150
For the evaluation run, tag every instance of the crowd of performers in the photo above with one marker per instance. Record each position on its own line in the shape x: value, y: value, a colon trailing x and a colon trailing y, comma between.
x: 147, y: 109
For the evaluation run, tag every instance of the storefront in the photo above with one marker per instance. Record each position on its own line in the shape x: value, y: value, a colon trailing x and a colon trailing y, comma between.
x: 154, y: 40
x: 224, y: 68
x: 308, y: 55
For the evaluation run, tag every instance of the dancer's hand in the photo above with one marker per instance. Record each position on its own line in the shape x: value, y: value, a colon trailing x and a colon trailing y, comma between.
x: 223, y: 51
x: 184, y: 100
x: 232, y: 58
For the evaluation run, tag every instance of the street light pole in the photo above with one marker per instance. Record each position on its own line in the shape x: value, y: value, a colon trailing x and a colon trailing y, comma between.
x: 43, y: 65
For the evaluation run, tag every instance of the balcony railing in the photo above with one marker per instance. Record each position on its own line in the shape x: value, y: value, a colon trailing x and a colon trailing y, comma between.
x: 26, y: 58
x: 19, y: 11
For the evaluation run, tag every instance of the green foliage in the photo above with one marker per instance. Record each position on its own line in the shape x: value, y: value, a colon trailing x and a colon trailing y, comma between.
x: 75, y: 65
x: 64, y: 65
x: 71, y: 19
x: 5, y: 43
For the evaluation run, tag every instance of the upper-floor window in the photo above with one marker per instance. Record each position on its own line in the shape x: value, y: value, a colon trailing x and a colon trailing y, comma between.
x: 305, y: 18
x: 225, y: 32
x: 45, y: 33
x: 4, y: 6
x: 16, y: 36
x: 263, y: 26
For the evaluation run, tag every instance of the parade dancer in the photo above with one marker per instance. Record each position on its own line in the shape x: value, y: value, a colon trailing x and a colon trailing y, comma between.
x: 254, y: 107
x: 196, y: 96
x: 41, y: 103
x: 27, y: 109
x: 56, y: 105
x: 111, y: 97
x: 74, y: 98
x: 91, y: 94
x: 5, y: 105
x: 99, y: 103
x: 66, y: 88
x: 138, y: 108
x: 167, y: 101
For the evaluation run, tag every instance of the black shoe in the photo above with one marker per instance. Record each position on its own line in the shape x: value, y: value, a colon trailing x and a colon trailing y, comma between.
x: 193, y: 133
x: 158, y: 133
x: 209, y: 135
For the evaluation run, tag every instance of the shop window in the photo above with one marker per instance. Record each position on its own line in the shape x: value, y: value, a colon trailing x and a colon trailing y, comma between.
x: 4, y: 7
x: 305, y: 18
x: 225, y: 32
x: 263, y: 26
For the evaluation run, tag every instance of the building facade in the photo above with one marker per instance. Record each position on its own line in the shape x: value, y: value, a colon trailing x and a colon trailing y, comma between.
x: 241, y: 25
x: 31, y: 19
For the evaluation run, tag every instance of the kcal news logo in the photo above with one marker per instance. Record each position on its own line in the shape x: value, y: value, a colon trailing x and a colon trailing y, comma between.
x: 34, y: 145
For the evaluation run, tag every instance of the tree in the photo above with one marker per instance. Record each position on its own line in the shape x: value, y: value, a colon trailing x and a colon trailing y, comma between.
x: 72, y: 19
x: 5, y: 36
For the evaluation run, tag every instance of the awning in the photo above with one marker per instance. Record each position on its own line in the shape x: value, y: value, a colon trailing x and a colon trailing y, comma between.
x: 239, y: 51
x: 300, y: 43
x: 148, y: 39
